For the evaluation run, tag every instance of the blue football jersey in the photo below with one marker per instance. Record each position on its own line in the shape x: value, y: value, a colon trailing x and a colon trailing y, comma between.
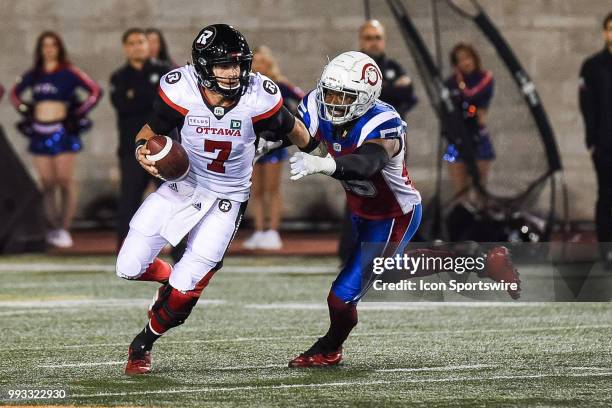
x: 390, y: 192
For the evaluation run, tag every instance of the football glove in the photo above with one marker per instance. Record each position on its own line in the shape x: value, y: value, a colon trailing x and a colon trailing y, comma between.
x: 264, y: 147
x: 303, y: 164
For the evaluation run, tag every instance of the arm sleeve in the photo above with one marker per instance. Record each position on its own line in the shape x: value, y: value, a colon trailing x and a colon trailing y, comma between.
x: 362, y: 164
x: 588, y: 103
x: 164, y: 117
x: 22, y: 84
x: 95, y: 92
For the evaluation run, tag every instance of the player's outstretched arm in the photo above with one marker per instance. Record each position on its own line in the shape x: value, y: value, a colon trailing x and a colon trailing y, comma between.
x: 367, y: 160
x: 283, y: 126
x: 300, y: 137
x: 141, y: 150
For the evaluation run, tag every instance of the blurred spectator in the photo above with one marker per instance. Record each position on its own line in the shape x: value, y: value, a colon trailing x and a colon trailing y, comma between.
x: 397, y: 89
x: 133, y: 89
x: 1, y: 91
x: 472, y: 90
x: 596, y: 107
x: 53, y: 118
x: 265, y: 192
x: 158, y: 48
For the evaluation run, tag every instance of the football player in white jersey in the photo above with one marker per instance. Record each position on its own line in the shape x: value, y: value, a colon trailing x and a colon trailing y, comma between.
x: 365, y: 140
x: 220, y: 107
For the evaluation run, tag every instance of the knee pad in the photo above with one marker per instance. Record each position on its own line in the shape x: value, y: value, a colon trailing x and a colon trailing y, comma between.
x: 171, y: 309
x: 128, y: 266
x: 134, y: 257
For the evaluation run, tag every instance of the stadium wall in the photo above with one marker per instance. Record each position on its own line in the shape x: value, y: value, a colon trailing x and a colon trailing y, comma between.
x: 551, y: 37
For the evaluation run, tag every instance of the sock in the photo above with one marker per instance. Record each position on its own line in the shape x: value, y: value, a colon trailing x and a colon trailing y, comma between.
x: 144, y: 341
x: 158, y: 271
x: 342, y: 317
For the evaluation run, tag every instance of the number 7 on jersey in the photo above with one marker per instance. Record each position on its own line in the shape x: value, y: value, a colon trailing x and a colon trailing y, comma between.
x: 225, y: 148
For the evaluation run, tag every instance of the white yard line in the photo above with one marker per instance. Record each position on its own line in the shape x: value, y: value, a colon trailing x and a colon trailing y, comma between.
x: 339, y: 384
x: 590, y: 368
x: 54, y: 267
x: 105, y: 363
x: 443, y: 368
x: 82, y: 364
x: 365, y: 306
x: 405, y: 333
x: 71, y: 303
x: 261, y: 367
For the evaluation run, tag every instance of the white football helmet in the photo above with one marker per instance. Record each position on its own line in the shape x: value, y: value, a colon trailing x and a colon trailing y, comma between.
x: 348, y: 88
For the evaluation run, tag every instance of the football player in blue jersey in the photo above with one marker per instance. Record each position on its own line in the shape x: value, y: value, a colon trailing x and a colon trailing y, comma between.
x: 364, y: 141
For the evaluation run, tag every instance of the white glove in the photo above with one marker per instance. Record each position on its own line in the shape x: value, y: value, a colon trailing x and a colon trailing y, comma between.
x: 264, y: 146
x: 303, y: 164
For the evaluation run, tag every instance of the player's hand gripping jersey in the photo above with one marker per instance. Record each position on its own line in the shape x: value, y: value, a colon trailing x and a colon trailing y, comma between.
x: 220, y: 141
x: 387, y: 194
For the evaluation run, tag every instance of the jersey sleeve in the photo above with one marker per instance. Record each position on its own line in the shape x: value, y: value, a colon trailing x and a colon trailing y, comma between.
x: 268, y: 100
x: 307, y: 113
x: 24, y: 82
x: 385, y: 125
x: 168, y: 110
x: 95, y: 92
x: 164, y: 117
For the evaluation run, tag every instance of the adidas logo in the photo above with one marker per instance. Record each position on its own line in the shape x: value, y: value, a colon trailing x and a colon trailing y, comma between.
x: 198, y: 206
x: 173, y: 186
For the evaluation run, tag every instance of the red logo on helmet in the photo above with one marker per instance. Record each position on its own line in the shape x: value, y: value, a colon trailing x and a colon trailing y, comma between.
x: 370, y: 74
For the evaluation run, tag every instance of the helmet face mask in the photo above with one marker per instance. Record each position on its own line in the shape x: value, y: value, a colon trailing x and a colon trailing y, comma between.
x: 348, y: 88
x: 220, y: 45
x: 340, y: 106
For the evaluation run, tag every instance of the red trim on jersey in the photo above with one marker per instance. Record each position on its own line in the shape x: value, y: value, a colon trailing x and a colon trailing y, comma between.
x: 382, y: 206
x: 269, y: 113
x: 171, y: 104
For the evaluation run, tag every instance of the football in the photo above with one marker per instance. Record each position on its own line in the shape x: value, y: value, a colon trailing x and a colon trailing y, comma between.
x: 170, y: 157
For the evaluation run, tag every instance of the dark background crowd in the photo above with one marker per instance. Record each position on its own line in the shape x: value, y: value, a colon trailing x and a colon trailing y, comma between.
x: 54, y: 99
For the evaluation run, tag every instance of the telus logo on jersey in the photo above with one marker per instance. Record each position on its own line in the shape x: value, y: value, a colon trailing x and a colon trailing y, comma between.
x: 198, y: 121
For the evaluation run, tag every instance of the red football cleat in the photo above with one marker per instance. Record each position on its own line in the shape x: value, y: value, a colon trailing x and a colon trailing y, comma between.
x: 137, y: 365
x: 499, y: 267
x: 317, y: 357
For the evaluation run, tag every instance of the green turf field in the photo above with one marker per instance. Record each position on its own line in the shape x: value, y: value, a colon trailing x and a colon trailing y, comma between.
x: 68, y: 327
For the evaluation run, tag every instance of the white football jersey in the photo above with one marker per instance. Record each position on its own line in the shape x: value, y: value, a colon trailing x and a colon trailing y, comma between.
x: 220, y: 142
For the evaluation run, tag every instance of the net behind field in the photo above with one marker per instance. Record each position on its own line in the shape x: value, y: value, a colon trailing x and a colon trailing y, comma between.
x: 520, y: 153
